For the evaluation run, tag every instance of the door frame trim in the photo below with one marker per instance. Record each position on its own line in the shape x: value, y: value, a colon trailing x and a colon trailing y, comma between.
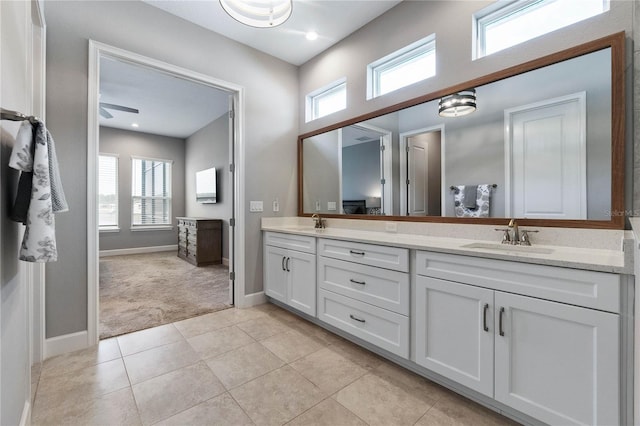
x: 96, y: 51
x: 403, y: 165
x: 581, y: 98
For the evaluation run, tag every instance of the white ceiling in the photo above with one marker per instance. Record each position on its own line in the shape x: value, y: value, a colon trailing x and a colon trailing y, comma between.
x: 168, y: 105
x: 171, y: 106
x: 333, y: 20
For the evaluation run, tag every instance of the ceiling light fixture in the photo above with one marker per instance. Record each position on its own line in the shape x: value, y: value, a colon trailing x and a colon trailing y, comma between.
x: 311, y: 35
x: 457, y: 104
x: 135, y: 125
x: 258, y: 13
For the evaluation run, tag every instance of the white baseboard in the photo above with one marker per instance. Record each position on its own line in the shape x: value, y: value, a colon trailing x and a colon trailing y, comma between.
x: 252, y: 299
x: 225, y: 261
x: 25, y: 419
x: 66, y: 343
x: 138, y: 250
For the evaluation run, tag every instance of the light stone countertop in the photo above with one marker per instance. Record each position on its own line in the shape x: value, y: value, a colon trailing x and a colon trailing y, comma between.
x: 568, y: 257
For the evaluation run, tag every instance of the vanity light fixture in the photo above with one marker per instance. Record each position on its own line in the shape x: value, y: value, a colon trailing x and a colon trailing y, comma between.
x: 311, y: 35
x: 457, y: 104
x: 258, y: 13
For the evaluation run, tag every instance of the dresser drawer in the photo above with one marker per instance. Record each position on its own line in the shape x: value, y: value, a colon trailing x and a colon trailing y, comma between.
x: 366, y: 254
x: 591, y: 289
x: 385, y: 329
x: 291, y: 241
x: 380, y: 287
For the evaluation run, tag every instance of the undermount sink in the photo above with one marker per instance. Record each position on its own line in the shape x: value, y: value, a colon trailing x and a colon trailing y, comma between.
x: 509, y: 247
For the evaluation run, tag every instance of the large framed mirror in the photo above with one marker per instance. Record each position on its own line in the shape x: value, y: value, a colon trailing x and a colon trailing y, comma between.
x: 545, y: 145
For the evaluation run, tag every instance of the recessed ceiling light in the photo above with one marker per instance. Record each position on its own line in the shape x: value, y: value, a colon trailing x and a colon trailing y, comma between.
x: 311, y: 35
x: 135, y: 125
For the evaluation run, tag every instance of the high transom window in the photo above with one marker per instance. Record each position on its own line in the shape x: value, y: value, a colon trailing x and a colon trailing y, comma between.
x: 150, y: 192
x: 401, y: 68
x: 507, y: 23
x: 327, y: 100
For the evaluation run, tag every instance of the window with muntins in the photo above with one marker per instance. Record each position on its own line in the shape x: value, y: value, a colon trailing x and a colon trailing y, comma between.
x: 505, y: 24
x: 403, y: 67
x: 327, y: 100
x: 107, y: 191
x: 150, y: 192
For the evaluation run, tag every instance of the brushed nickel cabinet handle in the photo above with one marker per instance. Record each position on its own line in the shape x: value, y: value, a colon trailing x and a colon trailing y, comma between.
x: 353, y: 317
x: 356, y: 253
x: 501, y: 315
x: 484, y: 317
x: 357, y: 282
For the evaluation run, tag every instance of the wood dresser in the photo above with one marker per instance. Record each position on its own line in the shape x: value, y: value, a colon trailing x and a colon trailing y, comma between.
x: 200, y: 240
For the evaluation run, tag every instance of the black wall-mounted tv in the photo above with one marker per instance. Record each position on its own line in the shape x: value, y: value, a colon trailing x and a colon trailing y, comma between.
x: 206, y: 186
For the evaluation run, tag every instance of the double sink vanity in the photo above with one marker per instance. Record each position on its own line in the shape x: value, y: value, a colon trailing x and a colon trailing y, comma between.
x: 540, y: 333
x: 543, y: 333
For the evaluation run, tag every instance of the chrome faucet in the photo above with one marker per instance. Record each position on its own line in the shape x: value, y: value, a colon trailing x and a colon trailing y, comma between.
x: 513, y: 235
x: 319, y: 222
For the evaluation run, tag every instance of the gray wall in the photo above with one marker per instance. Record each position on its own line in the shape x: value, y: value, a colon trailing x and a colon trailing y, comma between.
x: 209, y: 147
x: 361, y: 171
x: 126, y: 144
x: 270, y: 128
x: 15, y: 87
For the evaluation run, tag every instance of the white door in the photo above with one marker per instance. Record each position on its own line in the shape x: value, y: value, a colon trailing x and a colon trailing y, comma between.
x: 301, y: 268
x: 555, y: 362
x: 546, y: 159
x: 275, y: 273
x: 454, y: 332
x: 418, y: 175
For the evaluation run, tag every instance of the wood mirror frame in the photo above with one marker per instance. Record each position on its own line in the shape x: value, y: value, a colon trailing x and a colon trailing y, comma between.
x: 617, y: 44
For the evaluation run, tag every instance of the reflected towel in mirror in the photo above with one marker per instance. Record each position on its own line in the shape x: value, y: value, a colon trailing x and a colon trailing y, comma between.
x: 482, y: 201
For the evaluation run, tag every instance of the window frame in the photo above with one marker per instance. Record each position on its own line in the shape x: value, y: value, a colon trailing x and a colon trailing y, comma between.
x: 116, y: 227
x: 311, y: 98
x: 155, y: 226
x: 407, y: 54
x: 503, y: 9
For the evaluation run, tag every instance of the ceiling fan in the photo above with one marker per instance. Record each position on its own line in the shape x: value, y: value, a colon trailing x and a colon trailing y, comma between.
x: 106, y: 114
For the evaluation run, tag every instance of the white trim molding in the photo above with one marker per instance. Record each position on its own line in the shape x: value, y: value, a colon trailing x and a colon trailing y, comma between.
x: 254, y: 299
x: 25, y: 418
x: 97, y: 51
x: 138, y: 250
x: 66, y: 343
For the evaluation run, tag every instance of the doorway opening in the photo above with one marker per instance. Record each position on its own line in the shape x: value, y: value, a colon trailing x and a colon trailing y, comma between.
x: 158, y: 251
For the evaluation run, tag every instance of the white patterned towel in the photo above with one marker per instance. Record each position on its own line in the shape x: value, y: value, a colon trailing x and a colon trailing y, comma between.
x: 39, y: 242
x: 483, y: 200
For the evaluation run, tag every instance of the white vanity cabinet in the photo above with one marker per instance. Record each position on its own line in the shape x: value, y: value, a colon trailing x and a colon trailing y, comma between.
x: 363, y: 289
x: 557, y: 362
x: 290, y: 270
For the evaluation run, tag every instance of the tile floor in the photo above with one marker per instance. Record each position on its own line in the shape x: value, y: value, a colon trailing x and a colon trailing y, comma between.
x: 262, y: 366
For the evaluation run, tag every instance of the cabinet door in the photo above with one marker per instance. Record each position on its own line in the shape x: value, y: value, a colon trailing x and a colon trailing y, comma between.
x: 454, y: 332
x: 302, y: 281
x: 275, y: 274
x: 557, y: 363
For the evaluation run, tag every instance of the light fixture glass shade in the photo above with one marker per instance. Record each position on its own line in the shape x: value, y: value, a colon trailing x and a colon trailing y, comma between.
x: 457, y: 104
x: 258, y: 13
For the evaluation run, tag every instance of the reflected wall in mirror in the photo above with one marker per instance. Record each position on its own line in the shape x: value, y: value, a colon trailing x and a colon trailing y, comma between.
x: 539, y: 146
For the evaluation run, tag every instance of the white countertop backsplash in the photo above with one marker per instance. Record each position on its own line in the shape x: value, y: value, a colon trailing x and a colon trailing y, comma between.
x: 591, y: 249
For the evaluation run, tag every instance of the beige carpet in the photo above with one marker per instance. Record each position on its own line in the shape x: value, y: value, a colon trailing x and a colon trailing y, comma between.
x: 146, y: 290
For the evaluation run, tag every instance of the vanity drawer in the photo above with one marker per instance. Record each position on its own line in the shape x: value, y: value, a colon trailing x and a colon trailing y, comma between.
x: 591, y: 289
x: 366, y: 254
x: 380, y: 287
x: 291, y: 241
x: 385, y: 329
